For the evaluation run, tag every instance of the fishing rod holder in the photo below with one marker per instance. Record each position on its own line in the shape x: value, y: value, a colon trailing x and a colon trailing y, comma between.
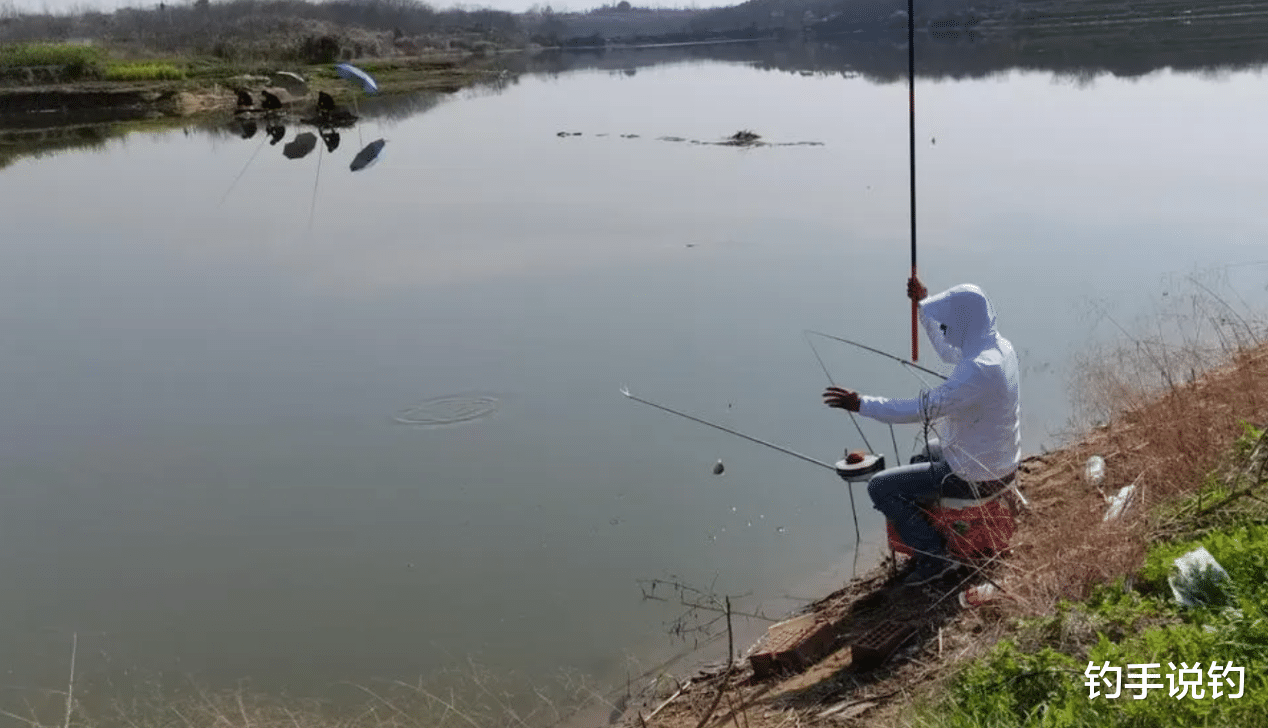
x: 862, y: 471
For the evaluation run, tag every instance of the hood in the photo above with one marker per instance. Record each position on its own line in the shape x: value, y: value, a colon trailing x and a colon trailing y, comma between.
x: 968, y: 318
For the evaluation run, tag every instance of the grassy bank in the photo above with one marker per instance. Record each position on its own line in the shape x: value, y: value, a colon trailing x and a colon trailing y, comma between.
x: 1180, y: 415
x: 1036, y: 675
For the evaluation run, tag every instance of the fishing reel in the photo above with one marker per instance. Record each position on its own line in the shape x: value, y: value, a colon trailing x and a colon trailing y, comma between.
x: 858, y: 466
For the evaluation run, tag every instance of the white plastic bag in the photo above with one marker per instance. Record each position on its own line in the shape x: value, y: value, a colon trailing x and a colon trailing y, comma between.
x: 1199, y: 580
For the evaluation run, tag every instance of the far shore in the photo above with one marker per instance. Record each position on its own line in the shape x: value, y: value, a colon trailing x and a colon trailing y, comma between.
x: 47, y: 105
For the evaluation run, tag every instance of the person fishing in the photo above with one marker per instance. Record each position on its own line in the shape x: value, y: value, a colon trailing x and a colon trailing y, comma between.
x: 975, y: 415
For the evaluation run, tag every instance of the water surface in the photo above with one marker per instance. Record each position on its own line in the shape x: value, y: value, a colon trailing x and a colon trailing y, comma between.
x: 205, y: 465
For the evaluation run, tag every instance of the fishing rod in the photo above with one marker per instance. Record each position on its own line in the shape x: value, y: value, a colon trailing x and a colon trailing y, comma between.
x: 911, y: 92
x: 626, y: 391
x: 853, y: 510
x: 887, y: 355
x: 893, y: 438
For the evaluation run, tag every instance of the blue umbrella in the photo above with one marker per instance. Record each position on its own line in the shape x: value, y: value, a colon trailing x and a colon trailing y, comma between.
x: 352, y: 73
x: 367, y: 156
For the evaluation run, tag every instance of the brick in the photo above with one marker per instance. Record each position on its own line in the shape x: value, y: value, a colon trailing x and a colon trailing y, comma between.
x: 876, y: 645
x: 793, y: 645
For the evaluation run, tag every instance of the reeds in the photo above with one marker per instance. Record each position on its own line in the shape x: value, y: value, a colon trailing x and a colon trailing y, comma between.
x: 470, y: 695
x: 1165, y: 408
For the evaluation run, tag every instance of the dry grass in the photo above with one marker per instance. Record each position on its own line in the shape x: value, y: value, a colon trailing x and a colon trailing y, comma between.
x: 471, y: 696
x: 1170, y: 406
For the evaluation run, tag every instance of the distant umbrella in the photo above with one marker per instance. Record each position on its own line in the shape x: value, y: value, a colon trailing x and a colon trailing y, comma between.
x: 292, y: 82
x: 249, y: 128
x: 352, y: 73
x: 276, y: 133
x: 367, y: 156
x: 300, y: 146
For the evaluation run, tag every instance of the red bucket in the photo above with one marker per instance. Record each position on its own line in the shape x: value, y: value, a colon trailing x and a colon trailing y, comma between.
x: 972, y: 534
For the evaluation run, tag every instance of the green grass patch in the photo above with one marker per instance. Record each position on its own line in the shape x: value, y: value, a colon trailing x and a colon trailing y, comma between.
x: 1038, y: 679
x: 144, y: 71
x: 72, y: 61
x: 50, y: 54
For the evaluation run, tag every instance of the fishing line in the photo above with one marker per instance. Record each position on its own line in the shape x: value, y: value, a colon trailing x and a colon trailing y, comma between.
x: 626, y: 391
x: 833, y: 383
x: 854, y: 511
x: 312, y: 204
x: 357, y: 110
x: 244, y: 170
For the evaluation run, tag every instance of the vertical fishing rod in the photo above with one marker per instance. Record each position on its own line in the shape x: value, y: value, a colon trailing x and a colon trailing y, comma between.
x: 911, y: 93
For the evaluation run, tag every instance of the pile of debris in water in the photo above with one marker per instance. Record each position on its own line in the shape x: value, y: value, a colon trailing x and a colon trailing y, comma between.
x: 741, y: 138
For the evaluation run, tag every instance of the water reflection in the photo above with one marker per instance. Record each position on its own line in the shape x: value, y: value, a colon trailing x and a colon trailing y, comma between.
x: 300, y: 146
x: 367, y: 157
x: 331, y: 138
x: 936, y: 59
x: 276, y: 133
x: 876, y: 62
x: 208, y: 414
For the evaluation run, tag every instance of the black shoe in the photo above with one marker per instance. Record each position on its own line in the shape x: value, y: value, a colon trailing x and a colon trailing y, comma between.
x: 928, y: 568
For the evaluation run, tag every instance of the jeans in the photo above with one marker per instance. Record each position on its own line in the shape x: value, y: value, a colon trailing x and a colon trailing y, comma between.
x: 899, y: 492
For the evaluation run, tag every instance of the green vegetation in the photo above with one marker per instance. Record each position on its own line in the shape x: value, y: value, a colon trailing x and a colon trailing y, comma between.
x: 144, y: 72
x: 73, y: 61
x: 76, y: 61
x: 1038, y: 677
x: 50, y: 54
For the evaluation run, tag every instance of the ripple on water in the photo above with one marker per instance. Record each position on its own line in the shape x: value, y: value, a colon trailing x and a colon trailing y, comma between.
x: 454, y: 409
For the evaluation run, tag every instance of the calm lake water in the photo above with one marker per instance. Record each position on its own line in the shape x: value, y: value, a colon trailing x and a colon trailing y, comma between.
x: 205, y: 470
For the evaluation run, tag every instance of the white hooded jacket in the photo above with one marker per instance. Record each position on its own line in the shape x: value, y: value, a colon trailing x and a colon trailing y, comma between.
x: 977, y: 411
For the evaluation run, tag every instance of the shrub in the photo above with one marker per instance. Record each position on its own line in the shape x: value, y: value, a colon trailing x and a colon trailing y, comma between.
x: 144, y: 72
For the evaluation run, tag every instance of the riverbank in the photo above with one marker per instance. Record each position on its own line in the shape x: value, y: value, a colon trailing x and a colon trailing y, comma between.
x: 210, y: 88
x: 1185, y: 443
